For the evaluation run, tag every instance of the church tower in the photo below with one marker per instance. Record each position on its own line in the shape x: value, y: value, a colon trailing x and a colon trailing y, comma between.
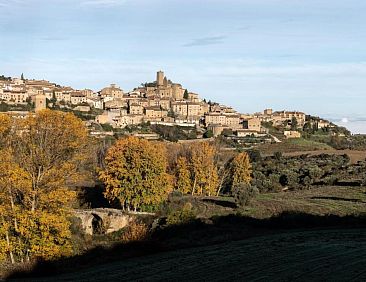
x: 160, y: 78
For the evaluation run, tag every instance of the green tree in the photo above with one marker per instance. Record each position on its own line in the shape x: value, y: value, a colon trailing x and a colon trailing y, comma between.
x: 294, y: 123
x: 186, y: 96
x: 208, y: 134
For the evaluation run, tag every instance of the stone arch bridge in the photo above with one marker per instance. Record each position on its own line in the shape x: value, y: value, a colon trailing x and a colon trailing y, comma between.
x: 104, y: 221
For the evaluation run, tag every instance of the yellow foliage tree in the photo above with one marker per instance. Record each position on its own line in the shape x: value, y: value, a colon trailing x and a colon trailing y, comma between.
x: 5, y: 128
x: 135, y: 173
x: 204, y: 171
x: 44, y: 157
x: 183, y: 176
x: 196, y: 172
x: 241, y: 169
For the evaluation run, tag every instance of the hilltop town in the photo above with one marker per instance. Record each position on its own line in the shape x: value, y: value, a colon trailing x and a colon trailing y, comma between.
x: 81, y: 183
x: 161, y: 102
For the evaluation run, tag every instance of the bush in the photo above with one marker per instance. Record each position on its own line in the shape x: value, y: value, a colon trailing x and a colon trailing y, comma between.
x: 183, y: 216
x: 255, y: 156
x: 208, y: 134
x: 136, y: 231
x: 243, y: 193
x: 277, y: 155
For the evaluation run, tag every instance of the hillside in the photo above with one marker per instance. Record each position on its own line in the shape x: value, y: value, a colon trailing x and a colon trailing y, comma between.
x: 321, y: 255
x: 270, y: 241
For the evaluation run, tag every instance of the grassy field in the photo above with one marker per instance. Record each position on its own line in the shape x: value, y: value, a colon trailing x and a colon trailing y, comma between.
x: 354, y: 155
x: 320, y: 255
x: 319, y: 200
x: 324, y: 200
x: 293, y: 145
x: 317, y: 234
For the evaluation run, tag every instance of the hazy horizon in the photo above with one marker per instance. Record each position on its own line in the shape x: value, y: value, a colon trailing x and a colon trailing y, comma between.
x: 283, y: 54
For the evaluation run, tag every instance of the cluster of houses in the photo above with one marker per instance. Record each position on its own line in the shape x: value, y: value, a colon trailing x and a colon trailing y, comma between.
x: 159, y: 102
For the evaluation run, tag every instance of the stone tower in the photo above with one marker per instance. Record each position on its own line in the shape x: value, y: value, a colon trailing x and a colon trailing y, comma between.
x: 40, y: 102
x: 160, y: 78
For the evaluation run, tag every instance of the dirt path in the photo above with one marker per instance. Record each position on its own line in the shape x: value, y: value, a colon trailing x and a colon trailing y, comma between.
x: 322, y: 255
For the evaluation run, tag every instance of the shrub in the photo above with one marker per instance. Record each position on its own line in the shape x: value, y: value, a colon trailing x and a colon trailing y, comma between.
x: 330, y: 180
x: 277, y: 155
x: 255, y: 156
x: 243, y: 193
x: 185, y: 215
x: 208, y: 134
x: 136, y: 231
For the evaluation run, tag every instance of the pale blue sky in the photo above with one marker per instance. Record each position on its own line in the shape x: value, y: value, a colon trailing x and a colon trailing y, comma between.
x: 307, y: 55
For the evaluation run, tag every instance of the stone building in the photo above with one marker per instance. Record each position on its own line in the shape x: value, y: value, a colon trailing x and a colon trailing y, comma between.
x: 194, y: 97
x: 77, y: 98
x: 282, y: 116
x: 252, y: 124
x: 291, y: 134
x: 112, y: 91
x: 135, y: 109
x: 154, y: 113
x: 163, y: 88
x: 180, y: 108
x: 215, y: 118
x: 39, y: 102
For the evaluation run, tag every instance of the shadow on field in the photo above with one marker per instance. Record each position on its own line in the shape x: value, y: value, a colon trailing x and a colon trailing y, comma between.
x: 193, y: 234
x: 222, y: 203
x: 338, y: 199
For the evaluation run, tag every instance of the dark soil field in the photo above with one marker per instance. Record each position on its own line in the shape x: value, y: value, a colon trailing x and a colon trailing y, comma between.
x: 321, y: 255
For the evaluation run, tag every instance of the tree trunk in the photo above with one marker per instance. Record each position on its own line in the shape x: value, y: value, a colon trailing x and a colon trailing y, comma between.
x: 10, y: 251
x: 221, y: 183
x: 21, y: 251
x: 12, y: 207
x: 33, y: 202
x: 194, y: 185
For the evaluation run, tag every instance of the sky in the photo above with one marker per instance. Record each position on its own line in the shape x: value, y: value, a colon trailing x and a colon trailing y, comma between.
x: 306, y: 55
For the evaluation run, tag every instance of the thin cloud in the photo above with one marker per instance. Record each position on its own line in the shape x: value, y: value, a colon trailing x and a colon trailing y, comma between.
x: 253, y: 69
x: 53, y: 38
x: 9, y: 3
x: 103, y: 3
x: 204, y: 41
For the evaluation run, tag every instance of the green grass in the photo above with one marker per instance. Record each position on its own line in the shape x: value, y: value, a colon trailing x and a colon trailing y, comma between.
x: 323, y: 200
x: 293, y: 145
x: 307, y: 143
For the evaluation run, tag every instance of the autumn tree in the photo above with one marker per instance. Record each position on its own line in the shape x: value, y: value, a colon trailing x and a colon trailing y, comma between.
x: 183, y: 176
x: 5, y: 128
x: 241, y: 169
x: 135, y: 173
x: 43, y: 159
x: 223, y: 160
x: 196, y: 170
